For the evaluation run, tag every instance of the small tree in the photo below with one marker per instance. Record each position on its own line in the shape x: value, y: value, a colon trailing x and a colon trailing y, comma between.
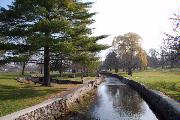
x: 111, y: 61
x: 169, y: 51
x: 84, y: 59
x: 60, y: 62
x: 142, y: 57
x: 153, y: 58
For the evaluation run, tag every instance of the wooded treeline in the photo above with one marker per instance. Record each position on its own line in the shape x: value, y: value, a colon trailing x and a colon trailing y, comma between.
x: 128, y: 55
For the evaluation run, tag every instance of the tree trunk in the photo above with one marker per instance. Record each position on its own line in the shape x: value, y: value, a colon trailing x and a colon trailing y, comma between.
x: 129, y: 71
x: 116, y: 70
x: 23, y: 69
x: 82, y: 73
x: 162, y: 66
x: 46, y: 67
x: 171, y: 64
x: 60, y: 68
x: 87, y: 71
x: 60, y: 73
x: 41, y: 68
x: 73, y: 70
x: 140, y: 68
x: 163, y: 60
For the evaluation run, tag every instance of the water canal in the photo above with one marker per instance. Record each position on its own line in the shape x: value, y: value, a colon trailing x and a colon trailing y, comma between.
x: 115, y: 101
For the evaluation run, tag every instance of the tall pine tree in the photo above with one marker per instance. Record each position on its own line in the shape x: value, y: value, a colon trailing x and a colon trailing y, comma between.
x: 47, y: 24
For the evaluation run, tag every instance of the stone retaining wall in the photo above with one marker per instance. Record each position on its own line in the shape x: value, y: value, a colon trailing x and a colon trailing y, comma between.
x: 164, y: 107
x: 56, y: 107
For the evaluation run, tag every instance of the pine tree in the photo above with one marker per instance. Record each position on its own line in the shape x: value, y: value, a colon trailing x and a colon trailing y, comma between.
x: 48, y: 24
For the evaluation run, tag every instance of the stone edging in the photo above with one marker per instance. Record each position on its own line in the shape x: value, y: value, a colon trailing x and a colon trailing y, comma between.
x: 53, y: 108
x: 164, y: 107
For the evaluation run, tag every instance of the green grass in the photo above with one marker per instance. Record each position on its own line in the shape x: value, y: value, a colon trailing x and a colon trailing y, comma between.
x: 75, y: 79
x: 166, y: 81
x: 66, y: 75
x: 15, y: 96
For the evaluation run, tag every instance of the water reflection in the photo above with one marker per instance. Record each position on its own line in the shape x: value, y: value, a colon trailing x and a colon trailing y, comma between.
x: 116, y: 101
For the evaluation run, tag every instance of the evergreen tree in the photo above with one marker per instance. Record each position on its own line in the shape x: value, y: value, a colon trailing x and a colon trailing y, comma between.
x: 48, y: 24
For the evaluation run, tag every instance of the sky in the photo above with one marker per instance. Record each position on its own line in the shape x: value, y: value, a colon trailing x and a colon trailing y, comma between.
x: 148, y: 18
x: 4, y: 3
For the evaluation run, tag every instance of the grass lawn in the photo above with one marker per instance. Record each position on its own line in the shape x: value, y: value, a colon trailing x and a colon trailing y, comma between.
x: 15, y: 96
x: 75, y: 79
x: 166, y: 81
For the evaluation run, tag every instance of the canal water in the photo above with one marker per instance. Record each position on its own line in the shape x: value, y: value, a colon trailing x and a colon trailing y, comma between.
x: 115, y: 101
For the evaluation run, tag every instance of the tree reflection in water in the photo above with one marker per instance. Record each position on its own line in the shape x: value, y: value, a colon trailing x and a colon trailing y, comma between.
x: 113, y: 101
x: 125, y: 101
x: 116, y: 101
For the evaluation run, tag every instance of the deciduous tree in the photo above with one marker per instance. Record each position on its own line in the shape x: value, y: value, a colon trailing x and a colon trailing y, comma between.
x: 111, y: 61
x: 129, y: 50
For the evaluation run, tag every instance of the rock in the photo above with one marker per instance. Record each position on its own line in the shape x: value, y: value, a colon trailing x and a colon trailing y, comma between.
x: 53, y: 108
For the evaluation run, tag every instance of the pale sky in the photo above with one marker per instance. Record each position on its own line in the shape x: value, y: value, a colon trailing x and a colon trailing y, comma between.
x: 148, y: 18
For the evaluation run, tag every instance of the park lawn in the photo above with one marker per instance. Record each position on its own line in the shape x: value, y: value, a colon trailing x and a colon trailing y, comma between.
x: 68, y: 76
x: 15, y: 96
x: 76, y: 78
x: 166, y: 81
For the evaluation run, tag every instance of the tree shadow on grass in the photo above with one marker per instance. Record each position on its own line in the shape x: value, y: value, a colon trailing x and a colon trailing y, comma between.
x: 17, y: 93
x: 68, y: 82
x: 7, y: 78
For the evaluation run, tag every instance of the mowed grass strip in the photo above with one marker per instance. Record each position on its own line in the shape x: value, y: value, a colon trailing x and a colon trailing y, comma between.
x: 166, y: 81
x: 15, y: 96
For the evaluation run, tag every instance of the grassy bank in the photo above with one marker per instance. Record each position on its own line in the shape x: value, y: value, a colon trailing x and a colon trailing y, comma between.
x: 166, y: 81
x: 15, y: 96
